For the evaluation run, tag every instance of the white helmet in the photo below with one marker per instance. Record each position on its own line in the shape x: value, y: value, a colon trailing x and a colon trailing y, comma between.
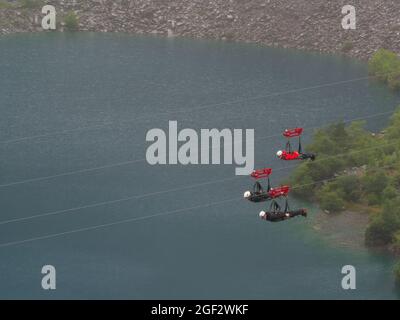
x: 279, y: 153
x: 247, y: 194
x: 262, y: 214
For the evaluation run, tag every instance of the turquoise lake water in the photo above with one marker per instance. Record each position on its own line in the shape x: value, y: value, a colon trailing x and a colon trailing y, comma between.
x: 75, y: 101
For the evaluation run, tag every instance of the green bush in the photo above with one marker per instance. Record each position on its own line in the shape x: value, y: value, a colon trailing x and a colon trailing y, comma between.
x: 347, y: 46
x: 338, y: 133
x: 325, y: 168
x: 357, y: 135
x: 71, y: 21
x: 377, y: 233
x: 383, y: 63
x: 322, y: 144
x: 396, y: 180
x: 304, y: 190
x: 390, y: 156
x: 303, y: 184
x: 396, y: 242
x: 349, y: 186
x: 374, y: 199
x: 30, y: 4
x: 331, y: 201
x: 330, y: 140
x: 397, y: 273
x: 5, y: 5
x: 393, y: 130
x: 394, y: 80
x: 382, y: 229
x: 375, y: 182
x: 390, y: 193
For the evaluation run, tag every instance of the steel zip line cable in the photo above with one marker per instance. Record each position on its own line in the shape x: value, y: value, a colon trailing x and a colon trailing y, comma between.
x: 142, y: 196
x: 137, y: 219
x: 199, y: 108
x: 129, y: 162
x: 191, y: 208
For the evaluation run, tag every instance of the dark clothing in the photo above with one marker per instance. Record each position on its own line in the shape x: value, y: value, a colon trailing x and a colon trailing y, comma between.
x: 257, y: 188
x: 258, y: 194
x: 260, y: 197
x: 281, y: 216
x: 302, y: 156
x: 305, y: 156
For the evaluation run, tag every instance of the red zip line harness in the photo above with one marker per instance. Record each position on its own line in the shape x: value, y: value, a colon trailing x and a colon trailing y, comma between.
x: 282, y: 191
x: 258, y: 194
x: 275, y: 212
x: 291, y: 133
x: 288, y: 154
x: 260, y: 174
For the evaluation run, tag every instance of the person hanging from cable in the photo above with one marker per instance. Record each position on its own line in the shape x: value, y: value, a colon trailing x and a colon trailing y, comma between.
x: 276, y: 214
x: 289, y: 154
x: 258, y: 193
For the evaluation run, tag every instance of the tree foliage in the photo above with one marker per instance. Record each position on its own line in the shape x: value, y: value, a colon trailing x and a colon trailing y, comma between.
x: 71, y: 21
x: 383, y: 227
x: 397, y: 273
x: 356, y: 166
x: 385, y: 66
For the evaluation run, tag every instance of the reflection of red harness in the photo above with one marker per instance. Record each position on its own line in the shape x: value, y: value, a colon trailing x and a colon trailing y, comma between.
x: 295, y: 155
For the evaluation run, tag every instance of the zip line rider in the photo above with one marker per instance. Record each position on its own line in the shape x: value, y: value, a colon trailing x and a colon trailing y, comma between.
x: 258, y: 194
x: 276, y: 214
x: 288, y: 154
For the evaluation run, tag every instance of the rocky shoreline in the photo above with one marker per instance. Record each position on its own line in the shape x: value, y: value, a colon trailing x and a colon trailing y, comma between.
x: 302, y: 24
x: 345, y: 229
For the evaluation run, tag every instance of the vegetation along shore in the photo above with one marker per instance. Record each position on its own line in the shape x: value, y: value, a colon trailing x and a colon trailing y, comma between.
x: 360, y: 170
